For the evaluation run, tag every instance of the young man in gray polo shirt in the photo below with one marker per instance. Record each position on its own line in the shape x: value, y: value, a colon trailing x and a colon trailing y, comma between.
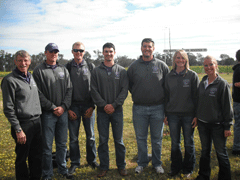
x: 109, y: 89
x: 82, y: 107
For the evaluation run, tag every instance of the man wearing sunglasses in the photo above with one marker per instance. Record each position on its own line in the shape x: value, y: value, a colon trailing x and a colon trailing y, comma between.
x: 82, y: 107
x: 55, y: 92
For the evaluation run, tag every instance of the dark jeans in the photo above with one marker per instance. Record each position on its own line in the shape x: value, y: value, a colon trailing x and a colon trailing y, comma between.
x: 176, y: 123
x: 103, y: 121
x: 31, y: 150
x: 208, y: 133
x: 236, y: 142
x: 73, y: 127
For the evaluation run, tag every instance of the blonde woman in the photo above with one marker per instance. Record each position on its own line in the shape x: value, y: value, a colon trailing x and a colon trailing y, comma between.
x: 181, y: 87
x: 215, y: 114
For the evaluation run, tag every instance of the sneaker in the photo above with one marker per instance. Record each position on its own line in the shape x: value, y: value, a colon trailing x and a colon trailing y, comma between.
x: 236, y: 153
x: 94, y: 165
x: 68, y: 176
x: 123, y: 172
x: 139, y: 169
x: 159, y: 170
x: 72, y: 169
x: 187, y: 176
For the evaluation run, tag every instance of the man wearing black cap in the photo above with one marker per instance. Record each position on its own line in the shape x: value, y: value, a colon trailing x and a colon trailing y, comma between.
x: 55, y: 92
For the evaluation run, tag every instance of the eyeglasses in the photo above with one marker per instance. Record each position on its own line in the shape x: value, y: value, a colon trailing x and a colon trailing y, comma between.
x: 180, y: 58
x: 78, y: 50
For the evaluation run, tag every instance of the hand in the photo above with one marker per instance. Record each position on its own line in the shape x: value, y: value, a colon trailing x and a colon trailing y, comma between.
x: 227, y: 133
x: 58, y: 111
x: 88, y: 112
x: 21, y: 137
x: 109, y: 109
x: 165, y: 121
x: 194, y: 122
x: 237, y: 84
x: 72, y: 115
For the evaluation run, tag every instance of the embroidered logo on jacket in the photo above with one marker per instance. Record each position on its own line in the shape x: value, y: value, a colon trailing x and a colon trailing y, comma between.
x: 117, y: 75
x: 85, y: 71
x: 213, y: 92
x: 186, y: 83
x: 155, y: 69
x: 61, y: 75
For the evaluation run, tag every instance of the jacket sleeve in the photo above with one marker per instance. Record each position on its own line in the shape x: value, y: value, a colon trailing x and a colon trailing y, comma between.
x: 124, y: 89
x: 226, y: 106
x: 45, y: 103
x: 167, y: 94
x: 96, y: 97
x: 66, y: 103
x: 129, y: 74
x: 8, y: 94
x: 194, y: 90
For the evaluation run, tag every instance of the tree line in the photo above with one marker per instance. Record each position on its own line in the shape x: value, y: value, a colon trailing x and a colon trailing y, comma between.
x: 7, y: 59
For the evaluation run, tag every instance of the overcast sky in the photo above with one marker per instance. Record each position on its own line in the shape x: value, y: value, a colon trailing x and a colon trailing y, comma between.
x: 32, y: 24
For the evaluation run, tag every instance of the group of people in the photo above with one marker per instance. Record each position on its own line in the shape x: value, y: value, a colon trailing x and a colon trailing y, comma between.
x: 56, y: 98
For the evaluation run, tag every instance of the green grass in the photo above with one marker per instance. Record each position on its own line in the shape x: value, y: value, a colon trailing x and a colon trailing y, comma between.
x: 7, y: 154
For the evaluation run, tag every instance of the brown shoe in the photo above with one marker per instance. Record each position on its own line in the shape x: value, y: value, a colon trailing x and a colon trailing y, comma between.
x: 123, y: 172
x: 102, y: 173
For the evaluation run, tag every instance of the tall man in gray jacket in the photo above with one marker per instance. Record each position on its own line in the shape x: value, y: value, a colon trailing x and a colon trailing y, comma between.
x: 82, y: 107
x: 55, y: 88
x: 146, y: 83
x: 22, y: 108
x: 109, y: 89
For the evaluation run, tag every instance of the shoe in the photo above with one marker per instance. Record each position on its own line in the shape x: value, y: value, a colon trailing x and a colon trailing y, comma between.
x: 123, y: 172
x: 139, y: 169
x: 68, y: 176
x: 187, y: 176
x: 237, y: 153
x: 94, y: 165
x: 102, y: 173
x: 172, y: 173
x: 72, y: 169
x: 159, y: 170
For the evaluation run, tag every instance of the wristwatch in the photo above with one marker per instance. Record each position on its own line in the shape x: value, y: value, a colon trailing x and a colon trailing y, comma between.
x: 19, y: 130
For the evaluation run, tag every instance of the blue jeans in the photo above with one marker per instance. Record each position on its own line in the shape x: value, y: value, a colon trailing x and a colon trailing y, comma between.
x: 175, y: 124
x: 58, y: 127
x: 236, y: 142
x: 74, y: 126
x: 208, y: 133
x: 144, y: 116
x: 116, y: 120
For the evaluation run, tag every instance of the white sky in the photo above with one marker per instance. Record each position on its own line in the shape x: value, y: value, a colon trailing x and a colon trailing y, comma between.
x: 32, y: 24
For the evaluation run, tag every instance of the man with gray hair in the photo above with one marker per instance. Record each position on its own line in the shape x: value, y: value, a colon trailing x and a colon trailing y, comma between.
x: 22, y: 108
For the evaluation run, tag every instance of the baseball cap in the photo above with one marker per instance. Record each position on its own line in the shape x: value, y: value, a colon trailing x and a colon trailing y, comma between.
x: 51, y: 46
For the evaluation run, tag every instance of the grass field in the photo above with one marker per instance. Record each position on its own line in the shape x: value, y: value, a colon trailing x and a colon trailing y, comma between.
x: 7, y: 154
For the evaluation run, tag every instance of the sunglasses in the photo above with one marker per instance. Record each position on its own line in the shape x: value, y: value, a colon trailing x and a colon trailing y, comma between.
x: 54, y: 51
x: 78, y: 50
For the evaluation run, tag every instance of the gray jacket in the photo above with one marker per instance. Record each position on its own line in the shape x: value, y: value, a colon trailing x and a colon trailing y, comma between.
x: 20, y: 99
x: 214, y: 102
x: 80, y: 78
x: 109, y: 89
x: 146, y: 81
x: 181, y: 92
x: 54, y: 85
